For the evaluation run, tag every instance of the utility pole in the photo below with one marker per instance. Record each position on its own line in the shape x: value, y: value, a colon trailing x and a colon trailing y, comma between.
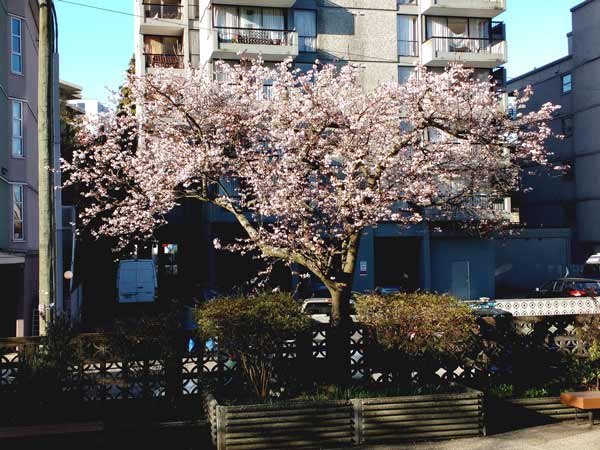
x: 45, y: 164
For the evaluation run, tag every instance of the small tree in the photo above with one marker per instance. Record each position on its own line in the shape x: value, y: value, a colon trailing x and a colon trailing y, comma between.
x: 253, y: 329
x: 306, y: 166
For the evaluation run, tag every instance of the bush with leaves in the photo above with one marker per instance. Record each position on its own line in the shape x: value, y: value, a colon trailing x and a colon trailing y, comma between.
x: 253, y: 329
x: 589, y: 336
x: 418, y: 323
x: 45, y: 371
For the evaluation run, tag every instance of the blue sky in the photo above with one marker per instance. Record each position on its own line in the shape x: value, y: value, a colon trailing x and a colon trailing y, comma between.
x: 95, y: 46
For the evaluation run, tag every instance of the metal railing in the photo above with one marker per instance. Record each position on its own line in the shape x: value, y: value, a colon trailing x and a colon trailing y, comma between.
x: 254, y: 36
x: 162, y: 11
x: 408, y: 48
x: 466, y: 45
x: 164, y: 61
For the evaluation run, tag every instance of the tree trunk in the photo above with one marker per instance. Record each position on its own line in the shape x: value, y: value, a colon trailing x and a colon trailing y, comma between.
x: 341, y: 324
x: 338, y: 337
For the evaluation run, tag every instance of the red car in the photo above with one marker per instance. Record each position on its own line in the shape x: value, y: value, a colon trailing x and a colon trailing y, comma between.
x: 568, y: 287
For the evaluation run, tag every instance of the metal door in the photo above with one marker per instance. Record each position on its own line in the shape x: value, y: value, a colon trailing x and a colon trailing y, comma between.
x: 461, y: 280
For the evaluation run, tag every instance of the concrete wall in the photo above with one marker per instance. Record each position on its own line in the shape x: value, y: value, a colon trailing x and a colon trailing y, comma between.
x: 479, y: 253
x: 572, y: 200
x: 531, y: 258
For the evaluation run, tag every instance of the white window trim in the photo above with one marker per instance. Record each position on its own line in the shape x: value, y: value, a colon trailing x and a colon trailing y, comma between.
x: 12, y: 204
x: 12, y: 50
x: 22, y: 120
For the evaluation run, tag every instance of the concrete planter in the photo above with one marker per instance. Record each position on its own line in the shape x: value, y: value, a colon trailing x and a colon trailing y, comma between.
x: 343, y: 423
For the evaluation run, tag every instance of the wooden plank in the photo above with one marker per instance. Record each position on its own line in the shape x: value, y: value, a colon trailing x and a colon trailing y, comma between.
x: 372, y: 424
x: 422, y: 429
x: 417, y: 411
x: 420, y: 405
x: 272, y: 425
x: 394, y: 437
x: 286, y: 412
x: 53, y: 429
x: 298, y: 418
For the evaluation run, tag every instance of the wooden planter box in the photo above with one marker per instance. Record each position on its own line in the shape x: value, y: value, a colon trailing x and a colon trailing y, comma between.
x: 510, y: 414
x: 421, y: 417
x: 344, y: 423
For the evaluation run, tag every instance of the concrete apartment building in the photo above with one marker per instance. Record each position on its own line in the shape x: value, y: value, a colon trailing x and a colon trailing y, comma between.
x: 19, y: 167
x: 387, y: 38
x: 569, y: 204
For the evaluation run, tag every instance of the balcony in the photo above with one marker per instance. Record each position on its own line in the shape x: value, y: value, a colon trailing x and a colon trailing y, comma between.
x: 163, y: 61
x: 272, y: 45
x: 264, y: 3
x: 463, y: 8
x: 471, y: 52
x: 161, y: 17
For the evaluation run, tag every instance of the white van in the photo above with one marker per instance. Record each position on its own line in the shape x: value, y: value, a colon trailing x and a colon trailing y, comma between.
x: 136, y: 281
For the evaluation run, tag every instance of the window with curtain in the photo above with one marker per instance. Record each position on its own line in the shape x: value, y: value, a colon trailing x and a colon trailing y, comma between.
x: 18, y: 212
x: 457, y: 34
x: 226, y: 16
x: 17, y: 129
x: 407, y: 35
x: 16, y: 61
x: 305, y: 22
x: 404, y: 74
x: 250, y: 17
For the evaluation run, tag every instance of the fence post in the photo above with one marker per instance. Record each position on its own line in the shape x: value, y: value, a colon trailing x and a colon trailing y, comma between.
x: 221, y: 428
x: 358, y: 422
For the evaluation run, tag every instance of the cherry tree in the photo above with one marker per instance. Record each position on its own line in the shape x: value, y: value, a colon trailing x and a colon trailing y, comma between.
x: 306, y: 161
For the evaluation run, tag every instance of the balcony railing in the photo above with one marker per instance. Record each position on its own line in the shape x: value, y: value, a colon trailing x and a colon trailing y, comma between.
x: 164, y: 61
x: 158, y: 11
x: 254, y: 36
x: 466, y: 45
x: 408, y: 48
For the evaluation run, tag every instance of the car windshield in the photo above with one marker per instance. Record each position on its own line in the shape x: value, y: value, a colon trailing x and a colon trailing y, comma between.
x: 322, y: 308
x: 318, y: 308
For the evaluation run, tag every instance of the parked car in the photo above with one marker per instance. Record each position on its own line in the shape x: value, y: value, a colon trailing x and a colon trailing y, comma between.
x: 591, y: 269
x: 136, y: 281
x: 389, y: 290
x: 319, y: 309
x: 568, y: 287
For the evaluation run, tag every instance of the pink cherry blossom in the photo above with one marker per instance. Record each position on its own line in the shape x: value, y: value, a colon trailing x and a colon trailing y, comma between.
x: 308, y: 164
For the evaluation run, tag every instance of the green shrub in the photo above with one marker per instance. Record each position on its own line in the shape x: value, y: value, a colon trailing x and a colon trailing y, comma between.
x: 45, y: 370
x: 418, y: 323
x: 252, y: 329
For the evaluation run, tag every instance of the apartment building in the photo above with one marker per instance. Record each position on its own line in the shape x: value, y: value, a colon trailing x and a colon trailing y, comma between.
x: 19, y: 167
x: 569, y: 203
x: 387, y: 38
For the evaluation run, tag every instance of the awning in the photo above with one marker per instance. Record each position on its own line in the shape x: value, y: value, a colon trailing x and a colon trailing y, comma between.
x: 11, y: 258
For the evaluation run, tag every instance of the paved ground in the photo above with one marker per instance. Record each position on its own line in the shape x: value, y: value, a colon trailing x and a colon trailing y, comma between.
x: 565, y: 436
x: 561, y: 436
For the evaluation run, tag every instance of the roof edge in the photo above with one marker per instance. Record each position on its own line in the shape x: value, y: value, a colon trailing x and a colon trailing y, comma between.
x: 539, y: 69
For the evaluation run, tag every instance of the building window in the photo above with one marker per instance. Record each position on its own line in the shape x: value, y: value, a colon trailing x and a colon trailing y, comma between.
x: 567, y: 126
x: 16, y: 46
x: 404, y: 73
x: 408, y: 44
x: 17, y: 129
x: 567, y: 83
x: 18, y: 212
x: 306, y: 26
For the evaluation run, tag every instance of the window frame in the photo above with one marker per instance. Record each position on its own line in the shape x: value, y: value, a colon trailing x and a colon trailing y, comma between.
x: 21, y: 120
x: 14, y: 203
x: 568, y: 75
x: 315, y: 13
x: 13, y: 52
